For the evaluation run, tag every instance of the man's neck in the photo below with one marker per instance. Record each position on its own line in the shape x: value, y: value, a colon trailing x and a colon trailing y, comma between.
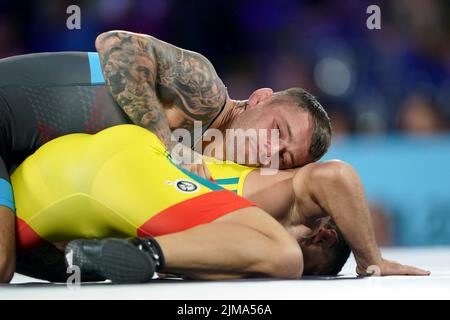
x: 231, y: 110
x: 223, y: 122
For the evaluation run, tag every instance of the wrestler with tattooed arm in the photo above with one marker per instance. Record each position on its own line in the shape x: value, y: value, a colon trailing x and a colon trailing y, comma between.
x: 162, y: 87
x: 136, y: 78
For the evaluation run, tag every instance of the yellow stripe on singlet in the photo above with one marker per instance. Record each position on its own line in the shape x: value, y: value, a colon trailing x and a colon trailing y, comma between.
x: 228, y: 175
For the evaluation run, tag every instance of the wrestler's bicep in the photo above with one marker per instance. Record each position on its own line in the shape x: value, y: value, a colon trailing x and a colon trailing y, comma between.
x: 272, y: 193
x: 188, y: 81
x: 159, y: 86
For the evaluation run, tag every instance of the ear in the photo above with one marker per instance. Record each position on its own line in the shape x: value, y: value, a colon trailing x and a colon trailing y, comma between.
x: 260, y: 95
x: 325, y: 237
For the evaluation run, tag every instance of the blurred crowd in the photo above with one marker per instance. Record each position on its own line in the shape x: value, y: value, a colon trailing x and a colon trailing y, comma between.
x: 396, y: 79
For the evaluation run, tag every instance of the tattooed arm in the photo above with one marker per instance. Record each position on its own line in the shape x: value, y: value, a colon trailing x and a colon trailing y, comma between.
x: 147, y: 77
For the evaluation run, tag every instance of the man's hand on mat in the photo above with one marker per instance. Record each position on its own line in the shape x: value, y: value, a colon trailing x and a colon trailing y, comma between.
x: 391, y: 268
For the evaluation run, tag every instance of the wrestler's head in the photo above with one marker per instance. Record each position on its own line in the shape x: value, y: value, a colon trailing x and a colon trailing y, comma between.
x: 304, y: 126
x: 326, y: 252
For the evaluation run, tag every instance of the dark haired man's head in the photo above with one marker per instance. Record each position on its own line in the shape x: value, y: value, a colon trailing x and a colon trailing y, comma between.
x: 304, y: 126
x: 326, y: 252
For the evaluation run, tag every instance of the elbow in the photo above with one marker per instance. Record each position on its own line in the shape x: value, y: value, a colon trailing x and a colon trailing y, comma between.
x: 6, y: 272
x: 6, y: 277
x: 102, y: 38
x: 334, y: 174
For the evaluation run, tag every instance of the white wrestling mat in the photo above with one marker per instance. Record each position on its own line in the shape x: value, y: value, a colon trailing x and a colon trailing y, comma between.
x: 346, y: 286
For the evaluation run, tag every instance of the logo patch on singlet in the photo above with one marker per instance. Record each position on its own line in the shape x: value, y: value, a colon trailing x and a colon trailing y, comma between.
x: 186, y: 186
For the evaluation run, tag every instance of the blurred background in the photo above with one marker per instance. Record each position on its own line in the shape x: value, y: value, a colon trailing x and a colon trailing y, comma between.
x: 387, y: 91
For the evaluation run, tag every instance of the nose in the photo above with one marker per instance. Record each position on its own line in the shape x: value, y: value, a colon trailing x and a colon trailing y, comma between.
x: 283, y: 146
x: 277, y: 145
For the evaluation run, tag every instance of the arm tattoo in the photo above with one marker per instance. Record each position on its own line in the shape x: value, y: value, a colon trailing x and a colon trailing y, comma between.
x: 190, y: 79
x: 146, y: 75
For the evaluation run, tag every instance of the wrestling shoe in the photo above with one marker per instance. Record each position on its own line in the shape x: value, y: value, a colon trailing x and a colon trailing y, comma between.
x: 118, y: 260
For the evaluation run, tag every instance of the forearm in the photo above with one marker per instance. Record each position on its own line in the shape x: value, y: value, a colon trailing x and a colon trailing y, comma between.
x: 7, y: 244
x: 338, y: 191
x: 130, y: 71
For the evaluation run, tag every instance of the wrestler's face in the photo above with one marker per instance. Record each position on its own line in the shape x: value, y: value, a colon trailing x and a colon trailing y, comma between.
x: 316, y: 255
x: 294, y: 125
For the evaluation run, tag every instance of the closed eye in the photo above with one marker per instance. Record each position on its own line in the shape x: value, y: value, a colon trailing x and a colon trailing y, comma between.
x: 285, y: 158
